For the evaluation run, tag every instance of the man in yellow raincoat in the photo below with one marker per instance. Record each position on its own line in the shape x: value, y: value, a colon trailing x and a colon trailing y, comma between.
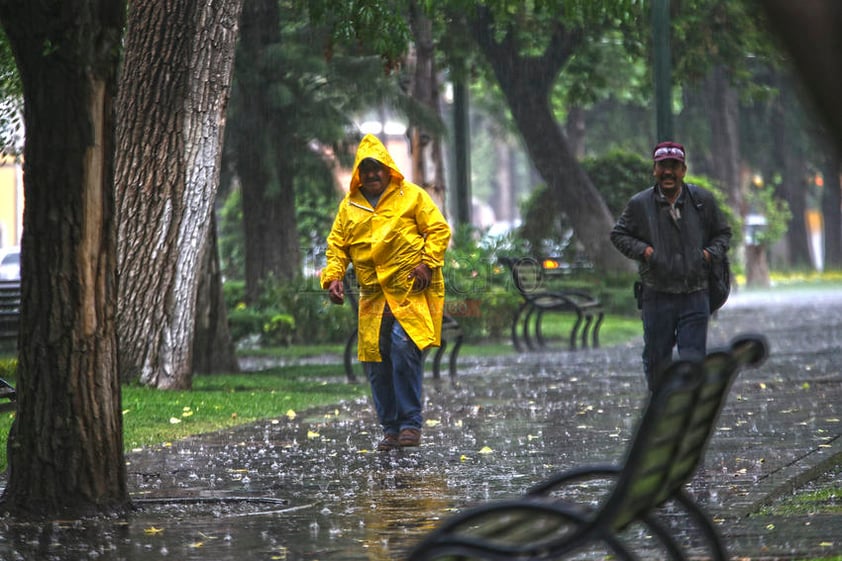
x: 395, y: 236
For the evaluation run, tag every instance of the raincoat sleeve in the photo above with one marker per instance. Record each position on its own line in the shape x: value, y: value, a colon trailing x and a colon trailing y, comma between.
x: 436, y: 232
x: 336, y: 254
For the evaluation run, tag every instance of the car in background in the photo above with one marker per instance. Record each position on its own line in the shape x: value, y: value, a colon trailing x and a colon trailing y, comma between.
x: 10, y: 263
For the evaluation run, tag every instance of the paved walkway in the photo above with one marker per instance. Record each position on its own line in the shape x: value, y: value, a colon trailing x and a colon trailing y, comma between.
x: 316, y: 490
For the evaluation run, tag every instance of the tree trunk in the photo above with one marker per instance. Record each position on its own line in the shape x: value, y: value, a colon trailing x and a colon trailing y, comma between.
x: 757, y: 266
x: 724, y: 114
x: 427, y: 160
x: 213, y: 348
x: 832, y: 208
x: 173, y: 92
x: 66, y: 452
x: 575, y: 130
x: 526, y: 83
x: 792, y: 188
x: 504, y: 201
x: 269, y: 221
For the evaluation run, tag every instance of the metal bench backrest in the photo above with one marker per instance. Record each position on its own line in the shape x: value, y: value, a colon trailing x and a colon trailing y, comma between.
x: 527, y: 274
x: 673, y: 434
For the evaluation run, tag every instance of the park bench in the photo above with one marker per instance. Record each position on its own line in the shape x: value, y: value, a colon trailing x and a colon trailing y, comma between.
x: 9, y: 309
x: 451, y: 331
x: 8, y: 396
x: 667, y: 448
x: 532, y: 281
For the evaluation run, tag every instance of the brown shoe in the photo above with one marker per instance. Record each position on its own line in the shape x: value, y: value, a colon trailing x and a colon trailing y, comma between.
x: 389, y: 442
x: 410, y: 437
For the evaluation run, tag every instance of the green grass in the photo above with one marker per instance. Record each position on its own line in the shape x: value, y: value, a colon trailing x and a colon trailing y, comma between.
x: 216, y: 402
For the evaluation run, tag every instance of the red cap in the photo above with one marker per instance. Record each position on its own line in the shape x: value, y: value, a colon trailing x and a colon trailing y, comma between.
x: 668, y: 151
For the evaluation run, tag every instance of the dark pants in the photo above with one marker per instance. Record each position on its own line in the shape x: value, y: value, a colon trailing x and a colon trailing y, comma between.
x: 671, y: 320
x: 396, y: 387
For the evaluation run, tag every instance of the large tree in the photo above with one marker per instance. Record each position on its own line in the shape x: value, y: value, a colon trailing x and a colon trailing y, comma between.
x: 173, y: 93
x: 67, y: 448
x: 526, y: 73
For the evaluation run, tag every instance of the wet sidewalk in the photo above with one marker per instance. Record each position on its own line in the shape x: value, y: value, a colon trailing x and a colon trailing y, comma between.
x: 313, y: 488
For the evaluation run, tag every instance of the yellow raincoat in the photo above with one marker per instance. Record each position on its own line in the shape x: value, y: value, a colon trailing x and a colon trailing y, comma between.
x: 385, y: 244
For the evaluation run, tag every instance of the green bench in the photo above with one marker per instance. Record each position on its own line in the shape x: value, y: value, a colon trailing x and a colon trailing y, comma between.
x: 534, y: 283
x: 667, y: 448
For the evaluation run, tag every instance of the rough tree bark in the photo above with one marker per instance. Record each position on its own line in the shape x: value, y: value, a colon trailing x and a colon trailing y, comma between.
x: 526, y: 82
x: 173, y: 92
x: 66, y: 452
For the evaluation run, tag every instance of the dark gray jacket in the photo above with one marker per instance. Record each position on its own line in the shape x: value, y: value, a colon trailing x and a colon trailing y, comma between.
x: 678, y: 264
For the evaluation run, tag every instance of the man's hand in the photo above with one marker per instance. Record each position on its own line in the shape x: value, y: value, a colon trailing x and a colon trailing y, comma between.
x: 420, y: 277
x: 647, y: 253
x: 336, y: 292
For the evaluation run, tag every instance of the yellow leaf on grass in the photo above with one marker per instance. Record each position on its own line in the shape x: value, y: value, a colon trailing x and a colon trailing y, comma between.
x: 174, y: 421
x: 486, y: 450
x: 290, y: 414
x: 312, y: 434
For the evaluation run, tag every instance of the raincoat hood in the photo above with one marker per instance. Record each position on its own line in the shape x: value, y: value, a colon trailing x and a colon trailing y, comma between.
x: 371, y: 147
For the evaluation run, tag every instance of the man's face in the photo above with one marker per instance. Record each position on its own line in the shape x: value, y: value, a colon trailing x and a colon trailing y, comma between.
x: 669, y: 174
x: 374, y: 177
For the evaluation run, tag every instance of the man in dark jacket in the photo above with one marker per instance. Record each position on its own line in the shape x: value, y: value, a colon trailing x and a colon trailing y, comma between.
x: 674, y: 231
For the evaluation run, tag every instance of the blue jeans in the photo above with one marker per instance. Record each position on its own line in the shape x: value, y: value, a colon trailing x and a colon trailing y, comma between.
x: 670, y: 320
x: 396, y: 381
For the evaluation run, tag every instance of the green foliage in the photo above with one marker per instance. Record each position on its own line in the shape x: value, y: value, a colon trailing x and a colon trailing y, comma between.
x: 279, y: 330
x: 618, y: 175
x: 11, y: 98
x: 288, y: 313
x: 478, y: 287
x: 8, y: 367
x: 245, y: 321
x: 721, y: 197
x: 378, y: 26
x: 231, y: 239
x: 776, y: 210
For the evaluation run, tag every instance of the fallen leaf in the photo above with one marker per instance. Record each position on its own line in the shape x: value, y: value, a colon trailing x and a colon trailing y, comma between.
x: 486, y: 450
x: 152, y: 531
x: 290, y: 414
x: 174, y: 421
x: 312, y: 434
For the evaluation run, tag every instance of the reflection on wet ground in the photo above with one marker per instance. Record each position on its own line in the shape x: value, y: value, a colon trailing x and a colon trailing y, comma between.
x: 313, y: 488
